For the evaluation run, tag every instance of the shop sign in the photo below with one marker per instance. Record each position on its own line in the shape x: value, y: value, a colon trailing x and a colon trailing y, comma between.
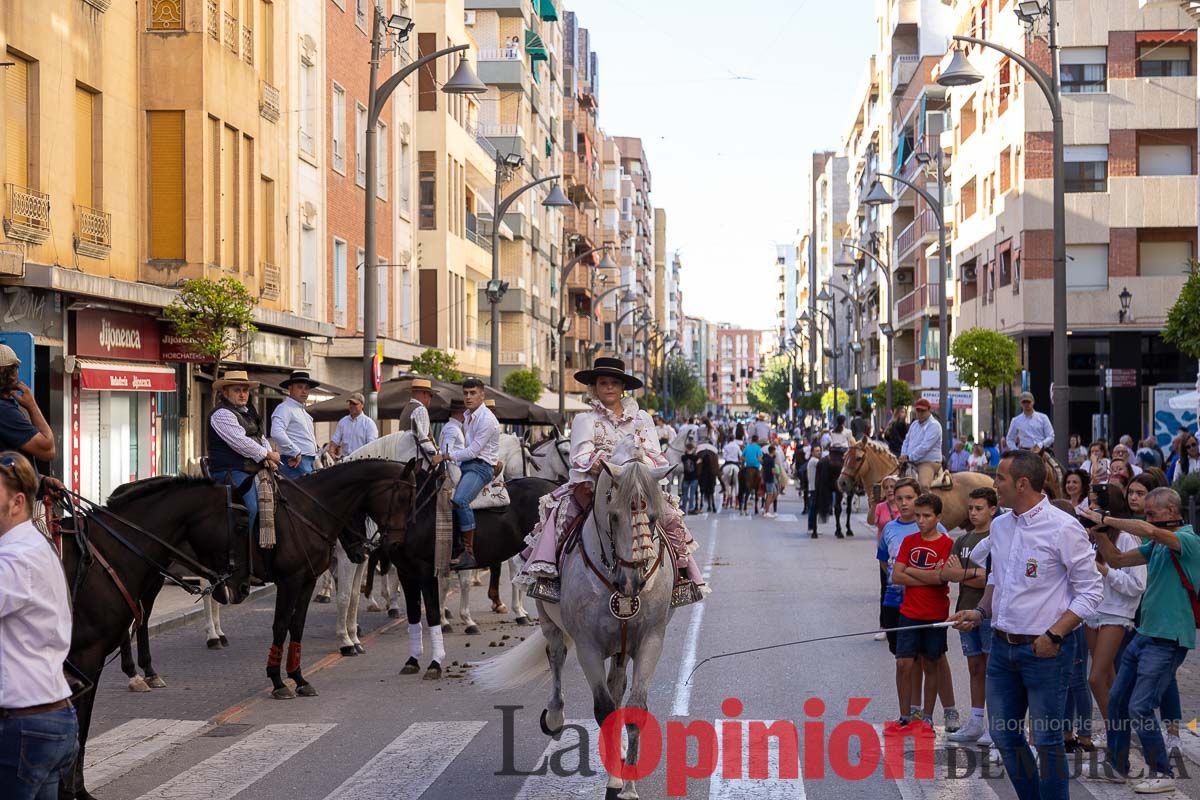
x: 1121, y: 378
x: 274, y: 350
x: 104, y: 377
x: 959, y: 399
x: 100, y: 333
x: 180, y: 348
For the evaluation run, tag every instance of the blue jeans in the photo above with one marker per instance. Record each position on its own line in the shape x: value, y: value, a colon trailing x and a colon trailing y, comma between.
x: 1020, y: 682
x: 305, y: 467
x: 36, y: 753
x: 476, y: 474
x: 1146, y: 670
x: 691, y: 494
x: 1078, y: 714
x: 235, y: 478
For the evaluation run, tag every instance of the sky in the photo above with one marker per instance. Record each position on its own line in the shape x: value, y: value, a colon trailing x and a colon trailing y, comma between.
x: 730, y: 99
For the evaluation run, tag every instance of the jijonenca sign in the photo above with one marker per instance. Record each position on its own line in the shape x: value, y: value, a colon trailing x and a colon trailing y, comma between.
x: 122, y: 338
x: 103, y: 333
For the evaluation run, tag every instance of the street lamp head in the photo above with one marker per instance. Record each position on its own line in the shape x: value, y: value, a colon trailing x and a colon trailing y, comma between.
x: 556, y: 198
x: 923, y: 157
x: 401, y: 25
x: 878, y: 196
x: 495, y: 290
x: 464, y: 80
x: 845, y: 260
x: 514, y: 160
x: 856, y: 347
x: 796, y: 328
x: 804, y: 317
x: 828, y: 352
x: 959, y: 72
x: 887, y: 330
x: 607, y: 263
x: 1029, y: 10
x: 1126, y: 297
x: 824, y: 296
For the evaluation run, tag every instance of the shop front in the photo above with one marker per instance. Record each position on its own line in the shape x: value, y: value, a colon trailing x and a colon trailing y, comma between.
x: 117, y: 385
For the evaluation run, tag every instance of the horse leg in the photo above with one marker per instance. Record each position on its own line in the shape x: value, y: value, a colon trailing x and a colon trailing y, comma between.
x: 471, y: 628
x: 345, y: 587
x: 143, y: 644
x: 356, y: 598
x: 296, y: 631
x: 392, y: 592
x: 285, y: 602
x: 412, y: 602
x: 212, y: 618
x: 553, y: 716
x: 91, y: 665
x: 136, y: 682
x: 326, y: 592
x: 645, y: 661
x: 494, y: 590
x: 603, y: 703
x: 443, y: 593
x: 518, y: 594
x: 837, y: 514
x: 433, y: 613
x: 849, y: 509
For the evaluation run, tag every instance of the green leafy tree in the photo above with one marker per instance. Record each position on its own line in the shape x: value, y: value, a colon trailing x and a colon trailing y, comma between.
x: 525, y: 384
x: 650, y: 402
x: 215, y: 315
x: 901, y: 394
x: 769, y: 391
x: 1183, y: 320
x: 985, y: 359
x: 696, y: 400
x: 437, y: 364
x: 686, y: 393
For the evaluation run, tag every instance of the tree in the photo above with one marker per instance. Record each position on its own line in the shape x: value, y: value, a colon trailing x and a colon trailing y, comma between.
x: 437, y: 364
x: 1183, y: 320
x: 901, y: 394
x: 843, y: 400
x: 686, y: 392
x: 769, y: 392
x: 525, y: 384
x: 215, y: 316
x: 649, y: 402
x: 985, y: 359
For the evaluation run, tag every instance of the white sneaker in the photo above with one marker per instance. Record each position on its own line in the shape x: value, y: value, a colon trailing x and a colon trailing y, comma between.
x: 986, y: 739
x: 1155, y: 786
x: 881, y: 636
x: 1100, y: 771
x: 970, y: 732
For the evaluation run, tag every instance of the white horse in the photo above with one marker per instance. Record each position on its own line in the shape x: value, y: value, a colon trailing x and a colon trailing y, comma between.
x: 674, y: 452
x: 729, y: 484
x: 594, y: 592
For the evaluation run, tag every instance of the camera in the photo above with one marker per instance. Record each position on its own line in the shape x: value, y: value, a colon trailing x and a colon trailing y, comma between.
x: 1101, y: 490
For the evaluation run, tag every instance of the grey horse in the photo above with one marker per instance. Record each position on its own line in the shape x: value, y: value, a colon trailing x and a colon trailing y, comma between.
x: 616, y: 558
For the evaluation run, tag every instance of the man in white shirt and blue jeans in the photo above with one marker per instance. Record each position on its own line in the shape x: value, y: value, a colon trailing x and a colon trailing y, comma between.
x: 477, y: 460
x: 292, y: 427
x: 38, y: 729
x: 1042, y: 584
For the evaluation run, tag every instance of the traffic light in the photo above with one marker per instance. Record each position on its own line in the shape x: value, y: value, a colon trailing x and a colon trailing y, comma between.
x: 750, y: 373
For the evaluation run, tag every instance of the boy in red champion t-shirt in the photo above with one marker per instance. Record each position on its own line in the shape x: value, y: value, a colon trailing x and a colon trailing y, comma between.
x: 926, y: 599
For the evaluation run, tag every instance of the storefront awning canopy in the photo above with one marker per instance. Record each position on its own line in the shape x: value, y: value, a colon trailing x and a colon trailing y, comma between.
x: 119, y: 376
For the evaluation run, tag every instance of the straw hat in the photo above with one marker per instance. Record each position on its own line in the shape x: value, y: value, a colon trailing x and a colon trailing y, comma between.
x: 420, y: 384
x: 489, y: 402
x: 234, y: 377
x: 8, y: 357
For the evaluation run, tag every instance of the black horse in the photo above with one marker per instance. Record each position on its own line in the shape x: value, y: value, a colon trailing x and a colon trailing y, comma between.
x: 499, y: 535
x: 708, y: 472
x: 836, y: 458
x: 191, y: 513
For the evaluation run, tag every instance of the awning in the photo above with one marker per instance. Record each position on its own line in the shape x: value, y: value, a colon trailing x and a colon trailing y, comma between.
x: 549, y: 399
x: 546, y: 10
x: 1166, y: 37
x: 119, y: 376
x: 535, y: 47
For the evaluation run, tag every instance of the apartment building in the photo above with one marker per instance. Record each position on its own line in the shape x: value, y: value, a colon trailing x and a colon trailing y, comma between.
x: 1128, y: 88
x: 786, y: 275
x: 520, y: 59
x: 828, y: 227
x: 737, y: 360
x: 165, y: 157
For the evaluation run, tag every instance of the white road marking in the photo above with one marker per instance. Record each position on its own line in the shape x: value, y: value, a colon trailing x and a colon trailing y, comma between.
x: 913, y: 788
x: 683, y: 690
x: 786, y: 518
x: 772, y: 787
x: 560, y: 787
x: 410, y: 764
x: 242, y: 764
x: 128, y: 746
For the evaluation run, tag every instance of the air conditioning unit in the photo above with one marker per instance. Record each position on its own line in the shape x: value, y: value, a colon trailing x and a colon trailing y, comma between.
x: 469, y: 16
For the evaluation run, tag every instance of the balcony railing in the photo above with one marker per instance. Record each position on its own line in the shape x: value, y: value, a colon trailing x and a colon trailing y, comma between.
x: 270, y: 282
x: 501, y: 53
x: 903, y: 68
x: 926, y: 298
x: 28, y: 214
x: 214, y: 20
x: 512, y: 358
x: 231, y: 33
x: 497, y: 129
x: 93, y: 232
x: 929, y: 144
x: 247, y: 45
x: 481, y: 239
x: 907, y: 372
x: 925, y: 223
x: 268, y: 101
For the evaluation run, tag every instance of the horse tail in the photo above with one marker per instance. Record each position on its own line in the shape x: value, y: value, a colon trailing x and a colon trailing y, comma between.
x: 517, y: 667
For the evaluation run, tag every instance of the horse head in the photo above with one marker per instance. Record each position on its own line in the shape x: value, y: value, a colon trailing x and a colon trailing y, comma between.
x: 628, y: 505
x: 390, y: 502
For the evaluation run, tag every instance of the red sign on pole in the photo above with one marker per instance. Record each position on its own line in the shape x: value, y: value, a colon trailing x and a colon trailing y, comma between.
x: 100, y: 333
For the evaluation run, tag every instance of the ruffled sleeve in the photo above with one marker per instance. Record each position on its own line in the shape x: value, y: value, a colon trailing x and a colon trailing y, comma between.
x: 648, y: 439
x: 583, y: 447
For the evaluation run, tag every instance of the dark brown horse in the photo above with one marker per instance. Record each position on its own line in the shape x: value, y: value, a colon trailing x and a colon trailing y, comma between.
x: 708, y: 472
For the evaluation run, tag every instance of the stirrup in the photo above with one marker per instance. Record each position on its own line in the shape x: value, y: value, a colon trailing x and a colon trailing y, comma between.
x: 685, y: 593
x: 548, y: 590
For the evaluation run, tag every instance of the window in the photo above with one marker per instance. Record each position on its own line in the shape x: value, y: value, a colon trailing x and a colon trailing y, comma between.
x: 1164, y: 258
x: 308, y: 109
x: 16, y: 121
x: 406, y: 300
x: 382, y: 282
x: 339, y: 129
x: 1004, y: 89
x: 1004, y: 266
x: 339, y: 283
x: 308, y: 272
x: 1086, y: 168
x: 1164, y: 61
x: 247, y: 200
x: 165, y: 193
x: 1083, y: 70
x: 360, y: 144
x: 360, y: 14
x: 267, y: 191
x: 230, y: 230
x: 1165, y: 159
x: 967, y: 203
x: 1005, y: 170
x: 405, y: 168
x: 85, y: 131
x: 1087, y: 267
x: 381, y: 150
x: 427, y: 190
x: 360, y: 258
x: 266, y: 34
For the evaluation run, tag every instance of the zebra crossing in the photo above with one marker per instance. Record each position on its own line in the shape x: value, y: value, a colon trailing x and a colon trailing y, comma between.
x: 410, y: 766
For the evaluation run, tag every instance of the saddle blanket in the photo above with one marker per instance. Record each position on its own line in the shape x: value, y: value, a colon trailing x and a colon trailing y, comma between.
x: 494, y: 495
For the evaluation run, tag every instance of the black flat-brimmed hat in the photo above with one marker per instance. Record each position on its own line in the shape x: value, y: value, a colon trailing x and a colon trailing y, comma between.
x: 613, y: 367
x: 299, y: 376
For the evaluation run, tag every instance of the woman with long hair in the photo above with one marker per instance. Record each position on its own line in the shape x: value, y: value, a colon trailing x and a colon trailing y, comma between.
x: 1097, y: 461
x: 1076, y: 486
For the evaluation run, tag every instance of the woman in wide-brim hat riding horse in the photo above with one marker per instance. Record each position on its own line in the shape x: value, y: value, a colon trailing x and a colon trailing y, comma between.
x: 595, y: 434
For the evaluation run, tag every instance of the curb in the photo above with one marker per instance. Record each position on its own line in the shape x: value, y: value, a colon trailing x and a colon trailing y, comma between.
x: 182, y: 616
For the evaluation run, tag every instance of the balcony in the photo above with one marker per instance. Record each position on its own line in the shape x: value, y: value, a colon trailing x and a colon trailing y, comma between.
x: 268, y: 101
x: 271, y: 281
x: 27, y: 217
x: 905, y: 12
x: 475, y: 235
x: 908, y: 371
x: 503, y: 67
x: 512, y: 358
x: 214, y: 20
x: 503, y: 8
x: 515, y: 300
x: 921, y: 230
x: 502, y: 137
x: 911, y: 168
x: 231, y: 33
x: 904, y: 66
x: 920, y: 302
x: 93, y: 232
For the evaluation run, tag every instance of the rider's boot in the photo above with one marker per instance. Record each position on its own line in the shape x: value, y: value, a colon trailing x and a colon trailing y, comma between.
x: 466, y: 558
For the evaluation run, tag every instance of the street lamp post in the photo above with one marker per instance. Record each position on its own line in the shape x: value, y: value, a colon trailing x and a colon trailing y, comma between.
x: 563, y: 324
x: 852, y: 299
x: 463, y: 81
x: 960, y: 73
x: 886, y: 328
x: 832, y: 352
x: 878, y: 196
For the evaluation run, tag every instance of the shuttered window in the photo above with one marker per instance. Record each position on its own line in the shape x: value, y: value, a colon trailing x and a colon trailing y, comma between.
x: 267, y: 215
x: 84, y: 181
x: 427, y: 93
x: 427, y: 189
x: 166, y: 204
x: 16, y: 121
x: 229, y: 197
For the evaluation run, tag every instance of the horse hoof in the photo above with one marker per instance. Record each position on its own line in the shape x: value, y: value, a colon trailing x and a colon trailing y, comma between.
x: 155, y: 682
x: 393, y: 613
x: 138, y: 684
x: 306, y: 690
x: 374, y: 608
x: 283, y: 693
x: 523, y: 620
x: 358, y: 648
x: 223, y: 640
x: 433, y: 672
x: 546, y: 729
x: 500, y: 609
x: 348, y: 650
x: 214, y: 644
x: 447, y: 627
x: 471, y: 630
x: 411, y: 667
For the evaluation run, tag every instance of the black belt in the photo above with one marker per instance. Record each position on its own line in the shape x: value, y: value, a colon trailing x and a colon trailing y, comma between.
x: 1015, y: 639
x: 44, y: 708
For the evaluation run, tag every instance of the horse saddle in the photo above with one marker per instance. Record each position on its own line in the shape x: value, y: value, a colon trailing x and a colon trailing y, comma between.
x: 494, y: 495
x: 942, y: 479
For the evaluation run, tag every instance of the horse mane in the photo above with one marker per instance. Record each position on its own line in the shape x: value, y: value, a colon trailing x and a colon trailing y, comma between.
x: 878, y: 447
x: 399, y: 446
x: 129, y: 493
x: 638, y: 483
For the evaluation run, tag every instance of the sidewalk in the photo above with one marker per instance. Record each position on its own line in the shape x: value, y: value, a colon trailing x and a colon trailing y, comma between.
x: 175, y: 607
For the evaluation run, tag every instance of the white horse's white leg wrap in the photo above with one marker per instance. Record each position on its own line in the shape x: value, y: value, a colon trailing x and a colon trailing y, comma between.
x: 437, y: 645
x: 415, y: 645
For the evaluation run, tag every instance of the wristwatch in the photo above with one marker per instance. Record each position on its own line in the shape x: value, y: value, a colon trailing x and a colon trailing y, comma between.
x: 1054, y: 637
x: 983, y: 612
